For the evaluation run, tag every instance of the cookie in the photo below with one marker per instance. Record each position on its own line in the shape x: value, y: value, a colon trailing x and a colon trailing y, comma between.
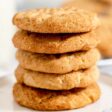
x: 54, y: 43
x: 97, y: 6
x: 107, y: 1
x: 44, y: 100
x: 67, y: 81
x: 58, y: 63
x: 56, y: 20
x: 105, y: 36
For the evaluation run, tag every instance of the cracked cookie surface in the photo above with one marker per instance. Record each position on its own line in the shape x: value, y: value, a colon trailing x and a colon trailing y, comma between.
x: 56, y: 20
x: 39, y: 99
x: 58, y: 63
x: 55, y: 43
x: 81, y: 78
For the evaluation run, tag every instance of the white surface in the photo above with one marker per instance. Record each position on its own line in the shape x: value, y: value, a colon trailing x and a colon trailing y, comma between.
x: 7, y: 104
x: 29, y: 4
x: 7, y: 10
x: 105, y: 62
x: 2, y: 74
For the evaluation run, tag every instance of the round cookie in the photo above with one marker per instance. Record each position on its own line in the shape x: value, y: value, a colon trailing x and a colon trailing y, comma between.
x: 58, y: 63
x: 44, y: 100
x: 54, y: 43
x: 67, y: 81
x: 56, y: 20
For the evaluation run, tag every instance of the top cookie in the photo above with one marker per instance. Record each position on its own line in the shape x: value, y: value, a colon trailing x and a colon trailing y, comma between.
x: 56, y: 20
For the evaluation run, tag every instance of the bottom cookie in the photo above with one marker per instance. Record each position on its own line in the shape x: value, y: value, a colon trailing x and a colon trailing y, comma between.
x: 40, y: 99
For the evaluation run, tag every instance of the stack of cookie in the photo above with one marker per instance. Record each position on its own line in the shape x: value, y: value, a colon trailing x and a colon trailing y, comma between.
x: 57, y: 57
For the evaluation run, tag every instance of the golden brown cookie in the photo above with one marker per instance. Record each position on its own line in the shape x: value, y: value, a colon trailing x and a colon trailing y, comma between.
x: 67, y: 81
x: 58, y: 63
x: 54, y: 43
x: 97, y: 6
x: 39, y: 99
x: 107, y: 1
x: 56, y: 20
x: 105, y: 36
